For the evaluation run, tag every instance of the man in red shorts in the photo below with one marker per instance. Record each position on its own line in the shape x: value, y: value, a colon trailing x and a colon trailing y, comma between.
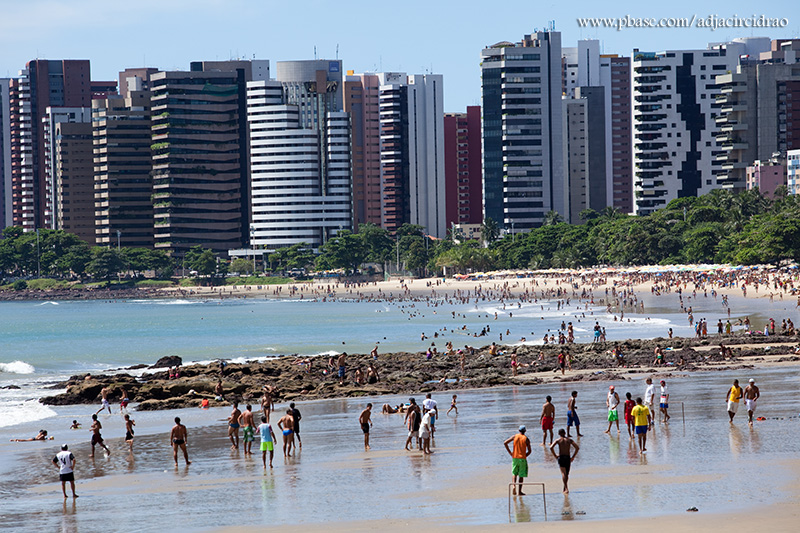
x: 629, y: 405
x: 546, y: 419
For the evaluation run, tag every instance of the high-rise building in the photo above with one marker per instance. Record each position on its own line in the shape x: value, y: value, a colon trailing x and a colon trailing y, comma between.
x: 462, y: 167
x: 523, y: 159
x: 198, y: 124
x: 398, y: 165
x: 300, y: 156
x: 135, y: 79
x: 73, y: 204
x: 42, y: 84
x: 793, y: 171
x: 123, y: 187
x: 5, y: 153
x: 676, y: 151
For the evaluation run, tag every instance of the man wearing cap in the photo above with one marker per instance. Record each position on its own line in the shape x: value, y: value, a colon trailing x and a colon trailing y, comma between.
x: 519, y: 452
x: 733, y: 396
x: 65, y: 462
x: 664, y: 403
x: 751, y: 394
x: 612, y: 401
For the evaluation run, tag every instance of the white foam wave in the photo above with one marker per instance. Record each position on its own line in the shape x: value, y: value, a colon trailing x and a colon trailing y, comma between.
x: 21, y: 412
x: 17, y: 367
x: 47, y: 303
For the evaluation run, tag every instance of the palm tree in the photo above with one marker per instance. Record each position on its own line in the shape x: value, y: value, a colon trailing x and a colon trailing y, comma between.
x: 489, y: 231
x: 551, y: 218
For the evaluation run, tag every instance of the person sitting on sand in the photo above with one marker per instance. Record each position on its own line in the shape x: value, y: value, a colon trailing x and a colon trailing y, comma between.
x: 389, y: 410
x: 359, y: 376
x: 42, y: 435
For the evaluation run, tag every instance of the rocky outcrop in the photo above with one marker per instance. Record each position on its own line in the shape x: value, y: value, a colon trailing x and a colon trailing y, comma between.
x: 168, y: 362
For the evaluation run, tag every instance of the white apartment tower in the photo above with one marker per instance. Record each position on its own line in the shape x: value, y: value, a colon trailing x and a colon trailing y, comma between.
x: 300, y: 156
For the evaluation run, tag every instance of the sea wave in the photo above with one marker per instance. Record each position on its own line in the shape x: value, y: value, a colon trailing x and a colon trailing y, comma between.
x: 21, y: 412
x: 16, y: 367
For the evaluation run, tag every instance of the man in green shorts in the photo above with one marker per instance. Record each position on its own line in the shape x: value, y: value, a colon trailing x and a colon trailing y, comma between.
x: 519, y: 452
x: 267, y: 441
x: 246, y: 420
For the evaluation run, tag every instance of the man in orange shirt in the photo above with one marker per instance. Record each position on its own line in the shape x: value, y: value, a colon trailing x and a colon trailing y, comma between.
x: 519, y: 452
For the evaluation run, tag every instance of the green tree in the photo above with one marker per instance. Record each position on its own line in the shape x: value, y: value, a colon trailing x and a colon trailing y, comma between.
x: 378, y: 242
x: 106, y: 263
x: 490, y: 231
x: 345, y: 250
x: 240, y: 265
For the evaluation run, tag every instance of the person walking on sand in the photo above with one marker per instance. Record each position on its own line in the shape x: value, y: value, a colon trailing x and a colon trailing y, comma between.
x: 664, y: 403
x: 642, y: 421
x: 453, y: 406
x: 563, y: 457
x: 104, y: 401
x: 296, y: 426
x: 267, y: 404
x: 129, y: 423
x: 547, y: 418
x: 751, y: 394
x: 572, y: 414
x: 629, y: 405
x: 366, y: 422
x: 519, y: 452
x: 233, y: 426
x: 248, y: 431
x: 96, y: 437
x: 286, y: 424
x: 732, y: 398
x: 267, y: 441
x: 179, y: 438
x: 649, y: 394
x: 65, y: 462
x: 123, y: 403
x: 412, y: 422
x: 342, y: 367
x: 612, y: 401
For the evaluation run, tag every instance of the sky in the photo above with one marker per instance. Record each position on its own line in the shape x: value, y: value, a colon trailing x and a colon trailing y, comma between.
x: 413, y: 36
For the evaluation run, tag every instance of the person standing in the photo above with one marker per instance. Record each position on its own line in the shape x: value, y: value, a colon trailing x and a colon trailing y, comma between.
x: 267, y: 404
x: 612, y: 401
x: 563, y: 457
x: 233, y: 426
x: 267, y: 441
x: 129, y: 423
x: 365, y: 420
x: 547, y: 418
x: 65, y: 462
x: 572, y: 414
x: 629, y: 405
x: 664, y: 401
x: 412, y: 422
x: 562, y: 361
x: 123, y: 403
x: 96, y: 437
x: 649, y: 394
x: 296, y: 427
x: 179, y: 438
x: 429, y: 404
x: 751, y: 394
x: 248, y: 431
x: 642, y: 421
x: 519, y: 452
x: 342, y: 367
x: 286, y: 424
x: 732, y: 397
x: 426, y: 430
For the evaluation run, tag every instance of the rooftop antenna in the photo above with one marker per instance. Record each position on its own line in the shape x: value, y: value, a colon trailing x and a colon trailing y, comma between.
x: 315, y: 52
x: 337, y: 50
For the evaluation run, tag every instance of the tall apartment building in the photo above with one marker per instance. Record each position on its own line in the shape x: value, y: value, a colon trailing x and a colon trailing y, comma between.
x: 73, y: 203
x: 42, y: 84
x: 757, y: 117
x: 462, y: 167
x: 398, y: 155
x: 676, y: 151
x: 523, y: 159
x: 300, y: 156
x: 199, y: 157
x: 123, y: 187
x: 5, y: 153
x: 52, y: 117
x: 793, y: 171
x: 585, y: 66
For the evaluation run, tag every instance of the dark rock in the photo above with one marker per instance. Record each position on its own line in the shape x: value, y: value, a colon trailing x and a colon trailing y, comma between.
x: 168, y: 361
x: 10, y: 387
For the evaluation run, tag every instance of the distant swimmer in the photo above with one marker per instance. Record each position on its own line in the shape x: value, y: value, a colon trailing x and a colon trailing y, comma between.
x: 751, y: 394
x: 96, y: 437
x: 286, y: 424
x: 233, y: 426
x: 366, y: 423
x: 65, y: 462
x: 179, y: 438
x: 519, y: 452
x: 547, y: 418
x: 732, y: 398
x: 564, y: 443
x: 75, y: 425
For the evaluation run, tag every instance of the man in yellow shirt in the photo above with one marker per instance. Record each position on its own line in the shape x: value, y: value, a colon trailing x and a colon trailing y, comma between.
x: 642, y: 422
x: 733, y: 396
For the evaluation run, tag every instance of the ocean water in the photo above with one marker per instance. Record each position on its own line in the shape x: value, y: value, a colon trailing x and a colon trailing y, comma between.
x: 44, y: 342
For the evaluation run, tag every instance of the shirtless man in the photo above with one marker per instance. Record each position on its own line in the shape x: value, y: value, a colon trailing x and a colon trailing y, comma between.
x: 296, y: 426
x: 218, y: 390
x: 412, y: 422
x: 233, y: 426
x: 246, y: 420
x: 267, y: 404
x: 564, y: 444
x: 751, y: 394
x: 366, y: 422
x: 96, y: 437
x: 572, y: 414
x: 179, y: 438
x: 42, y: 435
x: 342, y: 367
x: 104, y: 400
x: 123, y: 403
x: 286, y: 424
x: 546, y: 419
x: 129, y: 423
